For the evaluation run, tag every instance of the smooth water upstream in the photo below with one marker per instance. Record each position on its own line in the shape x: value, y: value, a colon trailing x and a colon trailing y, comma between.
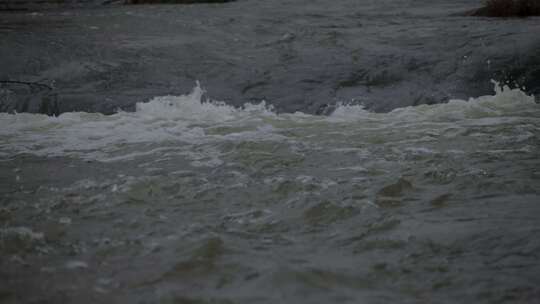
x: 190, y: 202
x: 298, y: 55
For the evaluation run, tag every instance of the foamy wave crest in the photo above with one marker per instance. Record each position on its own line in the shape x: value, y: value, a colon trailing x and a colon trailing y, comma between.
x: 188, y: 119
x: 506, y: 101
x: 94, y: 135
x: 193, y: 108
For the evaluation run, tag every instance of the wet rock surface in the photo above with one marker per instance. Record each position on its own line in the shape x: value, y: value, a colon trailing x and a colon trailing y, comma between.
x: 17, y: 96
x: 297, y: 55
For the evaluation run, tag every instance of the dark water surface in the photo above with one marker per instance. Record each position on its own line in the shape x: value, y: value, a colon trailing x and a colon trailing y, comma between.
x: 298, y: 55
x: 186, y: 201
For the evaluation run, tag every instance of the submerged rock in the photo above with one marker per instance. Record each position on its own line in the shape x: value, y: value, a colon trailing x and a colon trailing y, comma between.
x: 508, y: 8
x: 392, y: 195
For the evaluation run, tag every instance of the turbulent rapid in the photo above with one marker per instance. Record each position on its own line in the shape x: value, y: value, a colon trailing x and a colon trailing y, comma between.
x: 189, y: 200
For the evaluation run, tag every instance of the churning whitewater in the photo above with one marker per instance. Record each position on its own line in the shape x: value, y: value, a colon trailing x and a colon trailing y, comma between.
x: 189, y: 200
x: 188, y: 119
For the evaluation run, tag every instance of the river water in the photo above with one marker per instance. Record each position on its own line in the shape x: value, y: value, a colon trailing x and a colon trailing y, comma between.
x: 190, y: 202
x: 298, y: 55
x: 188, y: 199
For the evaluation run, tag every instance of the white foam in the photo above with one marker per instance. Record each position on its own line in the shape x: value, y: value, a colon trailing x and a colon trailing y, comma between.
x: 505, y: 101
x: 189, y: 120
x: 75, y: 265
x: 23, y: 233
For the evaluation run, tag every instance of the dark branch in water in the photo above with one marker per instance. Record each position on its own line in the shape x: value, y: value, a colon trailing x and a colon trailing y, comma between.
x: 508, y: 8
x: 37, y: 84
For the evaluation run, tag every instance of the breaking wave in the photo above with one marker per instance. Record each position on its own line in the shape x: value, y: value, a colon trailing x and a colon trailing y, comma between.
x: 190, y: 119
